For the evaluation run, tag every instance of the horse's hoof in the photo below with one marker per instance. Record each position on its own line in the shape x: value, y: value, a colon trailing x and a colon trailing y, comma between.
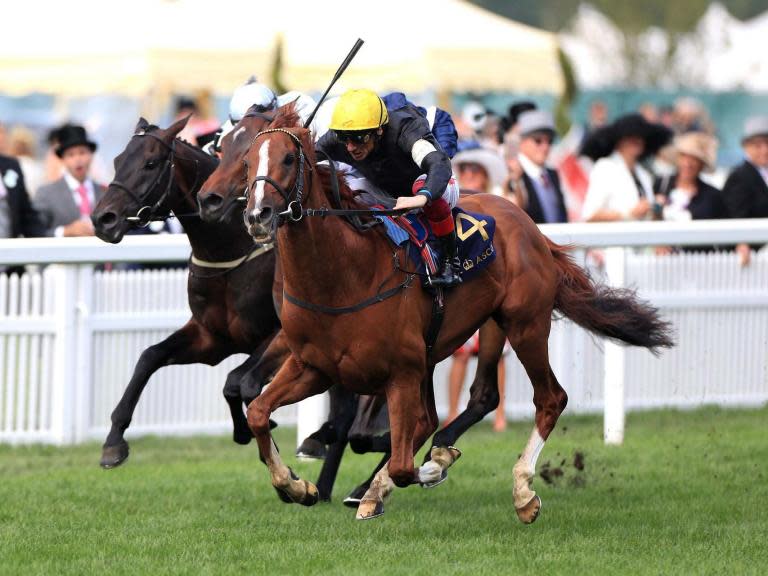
x: 242, y: 437
x: 283, y: 495
x: 369, y: 509
x: 443, y: 478
x: 530, y: 511
x: 113, y: 456
x: 354, y: 498
x: 311, y: 449
x: 311, y: 496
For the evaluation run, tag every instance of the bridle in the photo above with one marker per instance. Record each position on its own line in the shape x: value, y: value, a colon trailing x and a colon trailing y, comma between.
x: 147, y: 213
x: 293, y: 199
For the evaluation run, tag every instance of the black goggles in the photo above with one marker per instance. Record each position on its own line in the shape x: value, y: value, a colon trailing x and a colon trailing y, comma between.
x: 353, y: 136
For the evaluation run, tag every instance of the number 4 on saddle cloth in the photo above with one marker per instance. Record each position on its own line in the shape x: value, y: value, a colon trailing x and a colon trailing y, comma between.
x: 474, y: 233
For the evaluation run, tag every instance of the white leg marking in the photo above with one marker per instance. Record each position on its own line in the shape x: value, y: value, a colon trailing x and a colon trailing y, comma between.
x: 525, y: 468
x: 430, y: 472
x: 533, y: 448
x: 263, y: 170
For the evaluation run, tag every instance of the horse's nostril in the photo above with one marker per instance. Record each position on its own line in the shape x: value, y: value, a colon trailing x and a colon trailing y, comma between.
x: 251, y: 219
x: 265, y: 215
x: 212, y: 201
x: 107, y: 219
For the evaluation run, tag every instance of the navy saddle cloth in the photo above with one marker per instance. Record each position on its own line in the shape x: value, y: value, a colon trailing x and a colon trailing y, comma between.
x: 474, y: 233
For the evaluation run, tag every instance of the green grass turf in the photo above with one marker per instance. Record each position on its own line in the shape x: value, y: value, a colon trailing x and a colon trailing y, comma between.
x: 686, y: 494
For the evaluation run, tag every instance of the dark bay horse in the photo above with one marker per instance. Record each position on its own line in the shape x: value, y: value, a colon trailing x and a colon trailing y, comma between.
x: 230, y: 277
x: 222, y: 194
x: 352, y: 317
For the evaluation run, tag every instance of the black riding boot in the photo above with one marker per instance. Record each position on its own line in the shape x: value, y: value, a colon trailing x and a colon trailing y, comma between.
x: 448, y: 274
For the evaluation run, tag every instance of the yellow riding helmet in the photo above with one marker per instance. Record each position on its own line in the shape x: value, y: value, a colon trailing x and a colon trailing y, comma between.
x: 359, y: 110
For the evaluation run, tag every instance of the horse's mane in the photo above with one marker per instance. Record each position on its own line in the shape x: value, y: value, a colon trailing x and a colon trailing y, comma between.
x: 286, y: 117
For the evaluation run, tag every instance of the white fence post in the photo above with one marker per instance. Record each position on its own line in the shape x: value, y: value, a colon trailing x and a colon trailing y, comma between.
x: 83, y: 374
x: 615, y: 359
x: 63, y: 387
x: 310, y: 415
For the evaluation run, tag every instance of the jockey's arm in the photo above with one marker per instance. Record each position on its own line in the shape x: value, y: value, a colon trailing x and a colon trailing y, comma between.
x: 417, y: 140
x: 436, y: 165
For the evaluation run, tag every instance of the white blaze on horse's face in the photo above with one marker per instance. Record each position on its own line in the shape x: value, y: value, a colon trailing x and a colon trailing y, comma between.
x: 258, y: 193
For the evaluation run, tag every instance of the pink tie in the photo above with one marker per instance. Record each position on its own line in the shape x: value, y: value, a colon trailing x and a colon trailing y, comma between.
x: 85, y: 203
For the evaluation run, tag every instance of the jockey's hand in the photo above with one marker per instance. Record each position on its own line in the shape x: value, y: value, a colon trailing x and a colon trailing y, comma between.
x: 411, y: 202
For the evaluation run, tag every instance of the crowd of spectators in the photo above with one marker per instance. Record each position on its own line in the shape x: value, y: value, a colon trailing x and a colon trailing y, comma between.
x: 658, y: 163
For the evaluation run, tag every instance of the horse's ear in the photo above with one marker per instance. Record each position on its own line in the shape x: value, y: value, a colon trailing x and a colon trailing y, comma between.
x: 141, y: 125
x: 173, y: 130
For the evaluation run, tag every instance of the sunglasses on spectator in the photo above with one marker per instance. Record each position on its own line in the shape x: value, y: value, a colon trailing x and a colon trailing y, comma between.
x: 355, y: 137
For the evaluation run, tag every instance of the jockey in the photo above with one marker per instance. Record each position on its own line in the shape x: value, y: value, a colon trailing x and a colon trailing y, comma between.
x: 398, y: 153
x: 257, y: 97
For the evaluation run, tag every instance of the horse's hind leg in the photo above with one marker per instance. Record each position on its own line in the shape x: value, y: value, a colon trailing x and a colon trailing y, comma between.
x: 188, y: 345
x: 483, y: 396
x: 549, y: 399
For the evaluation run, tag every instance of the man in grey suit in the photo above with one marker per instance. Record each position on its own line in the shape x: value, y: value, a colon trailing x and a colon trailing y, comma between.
x: 65, y: 205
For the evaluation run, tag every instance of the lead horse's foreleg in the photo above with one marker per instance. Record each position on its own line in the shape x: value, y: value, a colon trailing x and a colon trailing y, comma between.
x: 550, y: 400
x: 413, y: 419
x: 294, y: 382
x: 190, y: 344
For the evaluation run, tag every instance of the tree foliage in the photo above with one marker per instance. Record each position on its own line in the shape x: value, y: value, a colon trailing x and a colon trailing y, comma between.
x: 677, y: 16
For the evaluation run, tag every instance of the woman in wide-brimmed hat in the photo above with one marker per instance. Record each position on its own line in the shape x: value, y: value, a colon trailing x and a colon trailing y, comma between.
x: 684, y: 195
x: 619, y: 187
x: 479, y: 169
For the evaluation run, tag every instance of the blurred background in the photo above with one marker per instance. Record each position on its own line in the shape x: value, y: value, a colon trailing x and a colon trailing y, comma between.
x: 86, y: 62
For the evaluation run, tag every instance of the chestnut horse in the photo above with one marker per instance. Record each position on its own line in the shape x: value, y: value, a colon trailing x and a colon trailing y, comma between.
x: 221, y: 194
x: 351, y: 316
x: 230, y: 278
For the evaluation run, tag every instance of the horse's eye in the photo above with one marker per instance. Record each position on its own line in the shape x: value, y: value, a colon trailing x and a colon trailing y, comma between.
x: 150, y: 164
x: 289, y: 159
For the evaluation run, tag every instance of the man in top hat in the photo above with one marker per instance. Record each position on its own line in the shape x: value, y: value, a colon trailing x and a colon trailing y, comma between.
x: 746, y: 190
x: 66, y: 204
x: 543, y: 197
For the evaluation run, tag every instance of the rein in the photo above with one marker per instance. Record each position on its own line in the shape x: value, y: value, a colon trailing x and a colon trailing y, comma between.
x: 294, y: 211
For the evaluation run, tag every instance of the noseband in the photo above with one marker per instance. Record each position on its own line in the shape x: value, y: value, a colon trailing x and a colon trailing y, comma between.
x: 293, y: 199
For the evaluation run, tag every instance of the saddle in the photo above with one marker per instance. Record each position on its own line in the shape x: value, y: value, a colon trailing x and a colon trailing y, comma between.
x: 474, y: 234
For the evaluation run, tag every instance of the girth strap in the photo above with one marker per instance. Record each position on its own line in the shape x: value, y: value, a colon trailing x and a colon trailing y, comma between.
x: 337, y: 311
x: 232, y: 263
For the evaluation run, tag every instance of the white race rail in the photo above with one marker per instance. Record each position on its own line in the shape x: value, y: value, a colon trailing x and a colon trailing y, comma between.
x: 69, y: 337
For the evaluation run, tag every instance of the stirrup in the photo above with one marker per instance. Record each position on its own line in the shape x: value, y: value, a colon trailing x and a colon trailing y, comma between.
x: 446, y: 276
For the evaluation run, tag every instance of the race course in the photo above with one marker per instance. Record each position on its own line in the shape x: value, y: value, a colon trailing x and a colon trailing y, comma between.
x: 686, y: 494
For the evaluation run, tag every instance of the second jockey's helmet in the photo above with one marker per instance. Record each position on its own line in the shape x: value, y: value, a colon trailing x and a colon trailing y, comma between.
x: 251, y: 94
x: 359, y: 110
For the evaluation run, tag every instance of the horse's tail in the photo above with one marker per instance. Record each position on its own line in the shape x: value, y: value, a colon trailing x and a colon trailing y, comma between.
x: 612, y: 312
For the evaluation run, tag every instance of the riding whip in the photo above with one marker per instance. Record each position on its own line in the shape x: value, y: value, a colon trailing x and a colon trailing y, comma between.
x: 336, y: 76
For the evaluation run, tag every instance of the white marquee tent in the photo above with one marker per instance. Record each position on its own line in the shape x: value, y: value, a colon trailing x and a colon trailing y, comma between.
x: 87, y: 47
